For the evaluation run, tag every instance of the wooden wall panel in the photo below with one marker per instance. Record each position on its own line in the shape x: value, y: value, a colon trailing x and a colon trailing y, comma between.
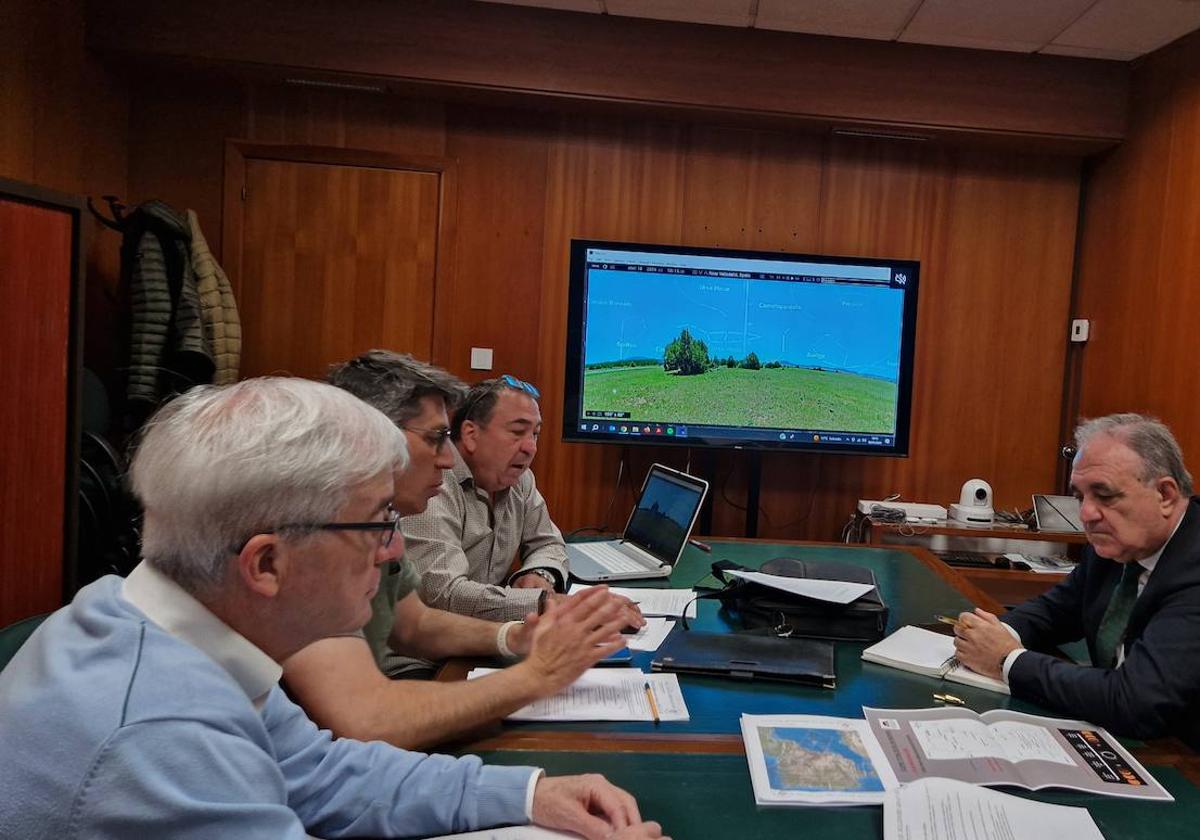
x: 571, y: 59
x: 63, y: 126
x: 994, y: 233
x: 1140, y: 255
x: 36, y: 262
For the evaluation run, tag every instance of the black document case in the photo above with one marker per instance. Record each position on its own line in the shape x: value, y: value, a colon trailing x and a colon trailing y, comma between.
x: 746, y: 657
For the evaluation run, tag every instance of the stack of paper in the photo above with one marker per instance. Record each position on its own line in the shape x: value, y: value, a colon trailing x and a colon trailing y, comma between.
x: 668, y: 602
x: 607, y: 694
x: 834, y: 591
x: 943, y: 809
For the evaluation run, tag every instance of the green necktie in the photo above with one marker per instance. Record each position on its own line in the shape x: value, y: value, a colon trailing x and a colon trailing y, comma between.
x: 1116, y: 617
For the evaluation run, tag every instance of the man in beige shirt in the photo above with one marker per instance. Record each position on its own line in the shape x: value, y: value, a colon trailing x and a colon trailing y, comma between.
x: 339, y: 680
x: 489, y: 511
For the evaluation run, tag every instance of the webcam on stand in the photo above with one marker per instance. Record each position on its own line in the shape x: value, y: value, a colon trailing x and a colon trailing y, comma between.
x: 974, y: 503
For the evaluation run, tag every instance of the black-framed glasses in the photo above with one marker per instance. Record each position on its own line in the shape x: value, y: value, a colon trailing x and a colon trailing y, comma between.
x: 388, y: 527
x: 436, y: 438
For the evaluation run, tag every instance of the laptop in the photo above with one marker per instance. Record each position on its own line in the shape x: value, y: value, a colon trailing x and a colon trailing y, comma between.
x: 655, y: 535
x: 1057, y: 513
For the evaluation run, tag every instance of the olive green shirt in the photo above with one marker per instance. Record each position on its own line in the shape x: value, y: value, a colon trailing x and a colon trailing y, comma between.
x: 396, y: 583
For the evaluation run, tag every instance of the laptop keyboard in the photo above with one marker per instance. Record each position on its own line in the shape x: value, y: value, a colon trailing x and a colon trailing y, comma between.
x: 610, y: 558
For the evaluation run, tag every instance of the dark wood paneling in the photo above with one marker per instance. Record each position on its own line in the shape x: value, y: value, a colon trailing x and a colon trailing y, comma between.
x: 38, y: 264
x: 994, y: 233
x: 63, y: 126
x: 547, y: 54
x: 1140, y: 254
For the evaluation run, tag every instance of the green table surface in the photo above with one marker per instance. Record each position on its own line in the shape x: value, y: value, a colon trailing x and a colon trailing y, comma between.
x: 914, y: 594
x: 696, y: 797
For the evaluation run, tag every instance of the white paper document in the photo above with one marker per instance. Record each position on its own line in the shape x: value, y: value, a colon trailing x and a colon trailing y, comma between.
x: 944, y: 809
x: 668, y: 602
x: 607, y: 694
x: 650, y: 636
x: 512, y: 832
x: 835, y: 591
x: 943, y: 740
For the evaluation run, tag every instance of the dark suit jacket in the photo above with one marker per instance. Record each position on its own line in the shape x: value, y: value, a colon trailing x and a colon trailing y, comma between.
x: 1156, y: 691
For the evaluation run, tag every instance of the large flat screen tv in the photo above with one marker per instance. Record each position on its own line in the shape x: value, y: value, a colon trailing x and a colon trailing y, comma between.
x: 746, y: 349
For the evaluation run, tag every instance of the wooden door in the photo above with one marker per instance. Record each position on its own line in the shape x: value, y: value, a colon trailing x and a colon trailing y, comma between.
x: 41, y: 274
x: 334, y: 260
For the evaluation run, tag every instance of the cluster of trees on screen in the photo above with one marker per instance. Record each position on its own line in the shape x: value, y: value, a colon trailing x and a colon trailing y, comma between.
x: 688, y: 356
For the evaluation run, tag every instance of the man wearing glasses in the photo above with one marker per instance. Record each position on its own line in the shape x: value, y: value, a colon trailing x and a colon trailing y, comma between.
x: 488, y: 511
x: 149, y: 707
x: 341, y: 681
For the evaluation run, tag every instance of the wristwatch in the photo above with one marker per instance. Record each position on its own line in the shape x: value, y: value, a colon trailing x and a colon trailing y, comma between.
x: 545, y: 575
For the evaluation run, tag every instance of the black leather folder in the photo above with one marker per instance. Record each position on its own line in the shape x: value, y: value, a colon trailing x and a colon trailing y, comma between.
x: 747, y: 657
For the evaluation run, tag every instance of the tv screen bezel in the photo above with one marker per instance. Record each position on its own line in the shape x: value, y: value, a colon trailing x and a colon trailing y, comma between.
x: 574, y: 373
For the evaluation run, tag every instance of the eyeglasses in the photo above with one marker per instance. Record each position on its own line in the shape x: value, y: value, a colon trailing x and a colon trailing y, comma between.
x: 505, y: 381
x: 388, y: 527
x: 435, y: 438
x: 521, y: 385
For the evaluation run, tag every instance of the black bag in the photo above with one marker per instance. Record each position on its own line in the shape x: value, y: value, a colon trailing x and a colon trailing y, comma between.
x: 862, y: 620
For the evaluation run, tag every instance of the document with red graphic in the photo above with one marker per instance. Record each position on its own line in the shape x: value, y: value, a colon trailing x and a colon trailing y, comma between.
x: 1000, y: 747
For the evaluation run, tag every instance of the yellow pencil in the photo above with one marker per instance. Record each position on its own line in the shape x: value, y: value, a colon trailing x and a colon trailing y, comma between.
x: 650, y: 699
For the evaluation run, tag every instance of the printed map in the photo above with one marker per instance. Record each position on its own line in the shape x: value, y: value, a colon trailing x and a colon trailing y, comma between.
x: 817, y: 760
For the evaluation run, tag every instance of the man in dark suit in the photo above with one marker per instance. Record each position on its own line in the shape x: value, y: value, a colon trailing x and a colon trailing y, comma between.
x: 1135, y: 597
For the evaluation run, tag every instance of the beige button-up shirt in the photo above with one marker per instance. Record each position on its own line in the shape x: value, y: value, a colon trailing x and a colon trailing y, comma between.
x: 464, y: 544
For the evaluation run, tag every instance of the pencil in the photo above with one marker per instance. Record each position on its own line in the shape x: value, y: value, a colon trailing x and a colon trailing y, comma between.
x: 650, y: 700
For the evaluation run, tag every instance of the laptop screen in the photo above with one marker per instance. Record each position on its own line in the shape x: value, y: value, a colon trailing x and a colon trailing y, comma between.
x: 664, y: 514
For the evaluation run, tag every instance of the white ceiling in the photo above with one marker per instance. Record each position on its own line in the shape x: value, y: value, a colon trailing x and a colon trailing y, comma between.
x: 1119, y: 30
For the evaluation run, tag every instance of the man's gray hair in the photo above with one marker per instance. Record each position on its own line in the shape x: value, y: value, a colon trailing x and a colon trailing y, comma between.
x: 395, y: 383
x: 1149, y: 439
x: 219, y: 464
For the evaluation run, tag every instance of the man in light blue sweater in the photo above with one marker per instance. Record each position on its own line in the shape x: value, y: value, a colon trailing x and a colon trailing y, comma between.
x: 149, y: 707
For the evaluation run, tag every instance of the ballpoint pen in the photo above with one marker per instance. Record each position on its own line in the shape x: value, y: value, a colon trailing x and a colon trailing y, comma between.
x: 945, y: 619
x: 949, y: 698
x: 650, y: 700
x: 947, y: 666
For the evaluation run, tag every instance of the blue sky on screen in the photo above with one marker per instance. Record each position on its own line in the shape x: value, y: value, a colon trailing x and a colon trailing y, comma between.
x: 842, y: 327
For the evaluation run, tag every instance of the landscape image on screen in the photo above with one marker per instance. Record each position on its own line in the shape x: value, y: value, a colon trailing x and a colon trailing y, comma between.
x: 743, y: 352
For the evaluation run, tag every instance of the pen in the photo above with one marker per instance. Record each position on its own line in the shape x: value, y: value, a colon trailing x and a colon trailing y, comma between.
x: 945, y: 619
x: 949, y: 698
x: 650, y: 700
x: 949, y: 665
x: 702, y: 546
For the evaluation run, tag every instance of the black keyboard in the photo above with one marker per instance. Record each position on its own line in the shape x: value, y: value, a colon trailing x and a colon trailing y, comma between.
x: 973, y: 559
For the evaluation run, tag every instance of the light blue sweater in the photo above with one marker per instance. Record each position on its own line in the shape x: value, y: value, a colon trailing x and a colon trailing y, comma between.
x: 112, y: 728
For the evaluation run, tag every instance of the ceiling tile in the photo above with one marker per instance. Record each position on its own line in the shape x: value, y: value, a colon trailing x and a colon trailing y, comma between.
x: 1016, y: 25
x: 1132, y: 26
x: 877, y: 19
x: 720, y: 12
x: 566, y: 5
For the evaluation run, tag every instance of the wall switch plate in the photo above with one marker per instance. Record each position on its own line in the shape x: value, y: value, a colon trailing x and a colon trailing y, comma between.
x: 1080, y: 328
x: 481, y: 358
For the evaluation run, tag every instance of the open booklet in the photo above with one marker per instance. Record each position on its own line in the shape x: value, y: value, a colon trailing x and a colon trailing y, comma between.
x: 814, y: 760
x: 922, y: 651
x: 943, y: 809
x: 607, y: 694
x: 1000, y: 747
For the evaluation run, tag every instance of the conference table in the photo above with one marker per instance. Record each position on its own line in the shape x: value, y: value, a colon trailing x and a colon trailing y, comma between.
x: 692, y: 775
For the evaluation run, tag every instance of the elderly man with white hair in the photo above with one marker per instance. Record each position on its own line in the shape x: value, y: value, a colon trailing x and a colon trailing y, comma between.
x: 149, y: 707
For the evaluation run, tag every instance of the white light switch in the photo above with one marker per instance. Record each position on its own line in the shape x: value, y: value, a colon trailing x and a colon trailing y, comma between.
x: 1080, y: 328
x: 481, y: 358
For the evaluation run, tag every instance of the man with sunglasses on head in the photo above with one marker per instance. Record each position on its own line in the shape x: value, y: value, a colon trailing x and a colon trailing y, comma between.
x: 489, y: 511
x: 343, y: 681
x: 149, y: 706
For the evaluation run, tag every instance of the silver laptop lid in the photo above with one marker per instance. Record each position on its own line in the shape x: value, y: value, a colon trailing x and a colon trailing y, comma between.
x: 1056, y: 513
x: 665, y: 513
